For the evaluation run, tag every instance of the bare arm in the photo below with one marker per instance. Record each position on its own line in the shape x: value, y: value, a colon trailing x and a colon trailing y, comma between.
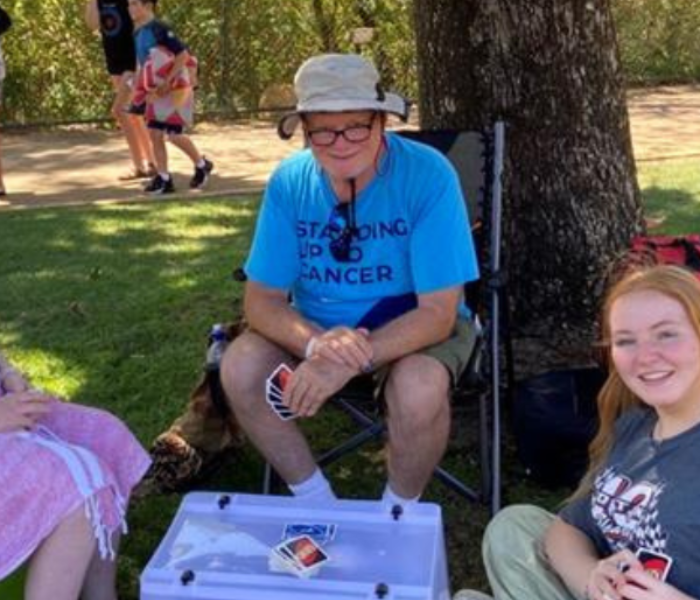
x: 430, y: 323
x: 21, y: 410
x: 11, y: 379
x: 92, y: 16
x: 269, y: 313
x: 4, y: 363
x: 179, y: 64
x: 572, y: 555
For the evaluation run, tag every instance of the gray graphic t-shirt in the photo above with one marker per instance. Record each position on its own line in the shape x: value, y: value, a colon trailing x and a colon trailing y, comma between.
x: 647, y: 497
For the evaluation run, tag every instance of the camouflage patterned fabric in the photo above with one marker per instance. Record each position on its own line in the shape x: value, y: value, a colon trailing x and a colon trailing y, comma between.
x: 198, y: 441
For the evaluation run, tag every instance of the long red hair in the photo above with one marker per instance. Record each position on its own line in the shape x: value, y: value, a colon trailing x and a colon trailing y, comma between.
x: 615, y: 397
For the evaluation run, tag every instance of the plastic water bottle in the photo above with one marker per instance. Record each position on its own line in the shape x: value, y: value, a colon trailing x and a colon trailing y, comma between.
x: 217, y: 346
x: 218, y: 340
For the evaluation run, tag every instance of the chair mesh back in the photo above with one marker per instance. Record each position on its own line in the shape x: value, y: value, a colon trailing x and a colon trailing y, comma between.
x: 467, y: 152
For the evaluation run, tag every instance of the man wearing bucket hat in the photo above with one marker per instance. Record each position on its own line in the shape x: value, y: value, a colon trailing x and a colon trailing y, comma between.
x: 368, y: 234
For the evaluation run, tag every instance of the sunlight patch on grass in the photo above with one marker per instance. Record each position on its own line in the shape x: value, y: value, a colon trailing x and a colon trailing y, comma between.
x: 671, y: 194
x: 52, y: 373
x: 111, y: 305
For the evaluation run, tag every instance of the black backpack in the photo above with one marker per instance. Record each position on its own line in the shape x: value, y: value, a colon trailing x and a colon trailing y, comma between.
x: 555, y: 417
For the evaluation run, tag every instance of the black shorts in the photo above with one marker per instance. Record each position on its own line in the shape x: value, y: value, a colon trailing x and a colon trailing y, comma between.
x: 119, y: 59
x: 166, y: 127
x: 119, y: 67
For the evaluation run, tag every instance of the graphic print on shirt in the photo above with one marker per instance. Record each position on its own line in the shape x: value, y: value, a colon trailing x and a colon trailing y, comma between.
x: 319, y: 265
x: 627, y: 513
x: 111, y: 22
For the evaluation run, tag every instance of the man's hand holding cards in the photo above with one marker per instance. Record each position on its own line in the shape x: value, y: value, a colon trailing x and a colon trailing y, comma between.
x: 275, y: 385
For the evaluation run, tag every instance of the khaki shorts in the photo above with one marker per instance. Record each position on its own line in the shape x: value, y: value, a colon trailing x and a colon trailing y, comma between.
x: 454, y: 353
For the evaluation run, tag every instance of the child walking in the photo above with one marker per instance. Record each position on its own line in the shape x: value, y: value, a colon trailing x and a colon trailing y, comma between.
x: 165, y: 72
x: 111, y: 18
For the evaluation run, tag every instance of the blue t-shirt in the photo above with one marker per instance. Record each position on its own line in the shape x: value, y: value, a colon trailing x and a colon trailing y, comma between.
x: 413, y: 237
x: 152, y: 34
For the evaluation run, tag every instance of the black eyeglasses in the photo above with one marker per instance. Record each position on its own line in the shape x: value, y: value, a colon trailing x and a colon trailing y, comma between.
x: 354, y: 134
x: 342, y: 229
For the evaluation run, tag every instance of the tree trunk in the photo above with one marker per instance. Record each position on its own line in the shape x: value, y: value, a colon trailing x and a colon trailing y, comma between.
x: 325, y: 26
x: 551, y: 70
x: 367, y: 15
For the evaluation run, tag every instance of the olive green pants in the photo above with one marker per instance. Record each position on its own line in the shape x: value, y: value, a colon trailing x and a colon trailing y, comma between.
x: 515, y: 564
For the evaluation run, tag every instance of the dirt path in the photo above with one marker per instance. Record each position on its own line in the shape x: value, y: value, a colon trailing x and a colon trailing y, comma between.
x: 77, y: 166
x: 665, y: 122
x: 60, y: 167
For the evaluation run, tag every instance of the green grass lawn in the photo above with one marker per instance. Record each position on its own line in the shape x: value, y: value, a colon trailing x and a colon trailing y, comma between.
x: 671, y: 192
x: 111, y: 305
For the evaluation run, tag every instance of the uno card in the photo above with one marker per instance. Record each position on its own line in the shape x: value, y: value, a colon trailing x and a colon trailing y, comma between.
x: 280, y: 562
x: 280, y: 377
x: 656, y: 564
x: 274, y: 391
x: 282, y: 411
x: 308, y: 555
x: 321, y: 533
x: 278, y: 406
x: 273, y: 396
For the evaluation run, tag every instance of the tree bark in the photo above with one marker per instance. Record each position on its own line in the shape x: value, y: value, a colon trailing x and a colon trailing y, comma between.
x: 551, y: 70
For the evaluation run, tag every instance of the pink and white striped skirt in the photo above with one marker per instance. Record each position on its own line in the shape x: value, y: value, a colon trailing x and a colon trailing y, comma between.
x: 76, y: 456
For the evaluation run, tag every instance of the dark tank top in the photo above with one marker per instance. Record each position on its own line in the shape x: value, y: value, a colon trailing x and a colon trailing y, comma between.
x: 117, y: 31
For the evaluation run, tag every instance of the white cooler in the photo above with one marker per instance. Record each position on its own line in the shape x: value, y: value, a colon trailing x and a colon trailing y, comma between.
x: 218, y: 545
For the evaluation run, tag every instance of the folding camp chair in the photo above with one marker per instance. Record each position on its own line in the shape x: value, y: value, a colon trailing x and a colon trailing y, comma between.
x: 478, y: 159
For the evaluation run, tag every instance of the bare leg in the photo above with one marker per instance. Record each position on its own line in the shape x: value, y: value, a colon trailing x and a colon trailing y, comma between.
x: 2, y: 181
x: 132, y: 125
x: 58, y: 567
x: 184, y: 143
x: 144, y: 141
x: 247, y: 362
x: 160, y: 152
x: 101, y: 577
x: 417, y: 396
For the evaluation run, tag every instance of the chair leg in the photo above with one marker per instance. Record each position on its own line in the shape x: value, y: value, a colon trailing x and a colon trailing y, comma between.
x: 485, y: 443
x: 494, y: 437
x: 356, y: 441
x: 456, y: 485
x: 272, y: 482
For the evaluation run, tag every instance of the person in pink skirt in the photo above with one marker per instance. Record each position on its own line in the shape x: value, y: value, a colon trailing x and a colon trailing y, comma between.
x: 65, y: 477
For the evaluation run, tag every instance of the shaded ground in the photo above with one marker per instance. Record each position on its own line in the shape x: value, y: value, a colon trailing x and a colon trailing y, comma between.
x: 77, y: 166
x: 82, y: 165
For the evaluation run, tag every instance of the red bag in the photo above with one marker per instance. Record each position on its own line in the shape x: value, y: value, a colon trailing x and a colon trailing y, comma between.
x: 667, y: 249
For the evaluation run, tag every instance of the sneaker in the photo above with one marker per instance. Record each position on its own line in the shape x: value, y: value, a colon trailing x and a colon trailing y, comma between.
x: 201, y: 175
x: 471, y: 595
x: 158, y: 185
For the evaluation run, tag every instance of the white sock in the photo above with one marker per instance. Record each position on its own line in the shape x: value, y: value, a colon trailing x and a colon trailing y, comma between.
x: 164, y: 176
x: 201, y: 163
x: 390, y: 498
x: 315, y: 487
